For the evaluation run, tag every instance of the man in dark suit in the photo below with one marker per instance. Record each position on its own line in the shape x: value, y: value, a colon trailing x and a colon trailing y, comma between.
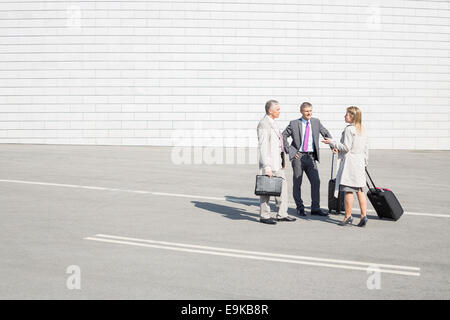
x: 304, y: 155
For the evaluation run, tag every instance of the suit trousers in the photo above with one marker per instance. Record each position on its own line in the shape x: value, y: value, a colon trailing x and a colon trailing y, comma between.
x: 306, y: 163
x: 281, y: 201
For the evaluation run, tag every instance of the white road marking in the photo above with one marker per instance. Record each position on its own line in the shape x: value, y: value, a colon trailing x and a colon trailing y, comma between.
x: 111, y: 189
x: 236, y: 200
x: 255, y: 255
x: 425, y: 214
x: 254, y: 252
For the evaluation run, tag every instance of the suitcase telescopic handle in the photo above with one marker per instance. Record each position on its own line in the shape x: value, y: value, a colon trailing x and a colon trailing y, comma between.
x: 332, y: 166
x: 367, y: 171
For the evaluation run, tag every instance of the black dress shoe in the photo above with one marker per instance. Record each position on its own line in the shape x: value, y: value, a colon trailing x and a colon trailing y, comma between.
x: 319, y: 213
x: 268, y: 221
x: 289, y: 219
x: 301, y: 212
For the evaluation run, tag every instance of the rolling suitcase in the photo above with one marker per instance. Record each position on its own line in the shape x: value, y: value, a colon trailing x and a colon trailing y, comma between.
x: 384, y: 201
x: 334, y: 204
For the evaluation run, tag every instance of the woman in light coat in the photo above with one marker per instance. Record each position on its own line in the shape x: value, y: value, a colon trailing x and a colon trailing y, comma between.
x: 353, y: 154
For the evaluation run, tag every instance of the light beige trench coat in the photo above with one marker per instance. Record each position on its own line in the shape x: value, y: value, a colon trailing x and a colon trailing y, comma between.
x: 353, y: 156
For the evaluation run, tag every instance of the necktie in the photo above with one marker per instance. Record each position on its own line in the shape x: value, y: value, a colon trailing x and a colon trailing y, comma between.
x: 305, y: 143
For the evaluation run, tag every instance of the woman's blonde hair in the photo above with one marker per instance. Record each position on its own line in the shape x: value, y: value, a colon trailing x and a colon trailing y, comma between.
x: 356, y: 115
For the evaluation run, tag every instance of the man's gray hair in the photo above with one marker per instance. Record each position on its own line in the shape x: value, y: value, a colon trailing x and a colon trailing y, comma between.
x: 305, y: 105
x: 269, y: 105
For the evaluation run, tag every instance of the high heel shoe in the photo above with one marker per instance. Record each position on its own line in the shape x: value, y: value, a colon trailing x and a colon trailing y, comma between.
x: 362, y: 222
x: 346, y: 221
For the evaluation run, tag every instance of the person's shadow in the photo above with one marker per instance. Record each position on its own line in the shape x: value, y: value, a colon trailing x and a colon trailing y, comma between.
x: 227, y: 211
x: 332, y: 218
x: 246, y: 201
x: 309, y: 217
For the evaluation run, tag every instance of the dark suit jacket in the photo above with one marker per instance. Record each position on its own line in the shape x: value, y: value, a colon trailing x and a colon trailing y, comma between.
x: 295, y: 130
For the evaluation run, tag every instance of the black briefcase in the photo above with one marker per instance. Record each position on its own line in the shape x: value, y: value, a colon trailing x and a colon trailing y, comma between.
x: 334, y: 204
x: 384, y: 202
x: 266, y: 186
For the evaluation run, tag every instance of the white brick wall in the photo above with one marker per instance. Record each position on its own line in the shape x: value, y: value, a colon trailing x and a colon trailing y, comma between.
x: 142, y: 72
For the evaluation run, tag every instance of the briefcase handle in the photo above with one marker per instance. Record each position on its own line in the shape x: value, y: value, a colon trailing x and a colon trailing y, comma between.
x: 272, y: 176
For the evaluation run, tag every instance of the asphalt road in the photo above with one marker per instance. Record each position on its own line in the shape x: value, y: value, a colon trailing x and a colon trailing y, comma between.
x: 139, y: 226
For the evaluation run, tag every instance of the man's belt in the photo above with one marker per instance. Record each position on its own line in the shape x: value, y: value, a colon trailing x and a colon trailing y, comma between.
x: 308, y: 153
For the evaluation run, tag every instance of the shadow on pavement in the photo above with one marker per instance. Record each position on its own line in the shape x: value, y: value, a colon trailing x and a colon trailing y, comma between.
x: 309, y: 217
x: 234, y: 213
x: 227, y: 211
x: 246, y: 201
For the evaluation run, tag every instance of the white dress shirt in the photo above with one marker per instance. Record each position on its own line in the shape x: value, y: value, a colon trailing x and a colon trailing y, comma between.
x: 310, y: 138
